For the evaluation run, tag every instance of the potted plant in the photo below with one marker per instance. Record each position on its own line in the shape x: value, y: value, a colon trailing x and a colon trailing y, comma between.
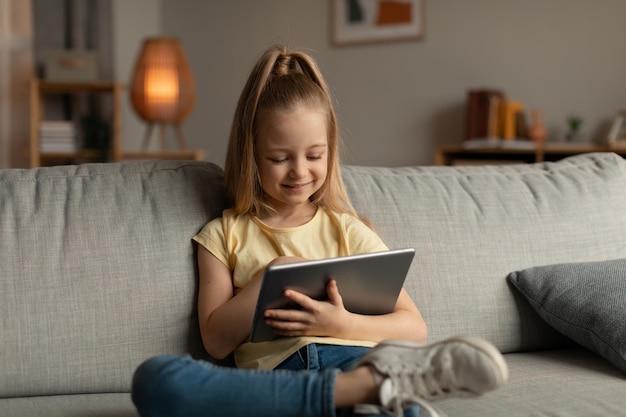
x: 573, y: 122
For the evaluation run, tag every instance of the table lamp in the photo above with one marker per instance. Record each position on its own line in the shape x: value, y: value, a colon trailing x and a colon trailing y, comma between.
x: 162, y: 89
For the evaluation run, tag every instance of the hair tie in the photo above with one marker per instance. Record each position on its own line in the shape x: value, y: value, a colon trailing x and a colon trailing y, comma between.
x: 283, y: 65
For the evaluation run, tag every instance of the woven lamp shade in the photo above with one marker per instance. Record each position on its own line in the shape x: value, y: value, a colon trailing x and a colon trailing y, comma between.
x: 162, y: 88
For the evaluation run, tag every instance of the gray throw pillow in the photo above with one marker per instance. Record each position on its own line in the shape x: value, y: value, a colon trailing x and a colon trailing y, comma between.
x: 584, y: 301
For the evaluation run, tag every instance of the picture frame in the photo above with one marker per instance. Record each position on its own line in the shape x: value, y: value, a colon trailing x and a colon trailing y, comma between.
x: 367, y: 21
x: 617, y: 132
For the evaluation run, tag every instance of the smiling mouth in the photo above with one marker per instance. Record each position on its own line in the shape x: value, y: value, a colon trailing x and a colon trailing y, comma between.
x: 297, y: 187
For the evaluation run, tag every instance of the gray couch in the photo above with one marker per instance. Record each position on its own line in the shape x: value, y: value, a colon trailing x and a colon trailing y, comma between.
x: 97, y: 273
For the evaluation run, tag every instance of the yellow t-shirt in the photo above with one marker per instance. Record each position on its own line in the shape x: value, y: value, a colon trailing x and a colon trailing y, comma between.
x: 246, y: 245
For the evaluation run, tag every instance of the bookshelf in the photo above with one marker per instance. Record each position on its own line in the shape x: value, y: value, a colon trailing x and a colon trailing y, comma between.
x: 39, y: 89
x: 457, y: 155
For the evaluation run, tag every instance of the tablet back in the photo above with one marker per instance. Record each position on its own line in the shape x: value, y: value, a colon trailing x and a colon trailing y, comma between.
x: 368, y: 283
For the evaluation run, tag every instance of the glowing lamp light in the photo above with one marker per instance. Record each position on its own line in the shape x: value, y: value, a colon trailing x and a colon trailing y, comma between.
x: 162, y: 89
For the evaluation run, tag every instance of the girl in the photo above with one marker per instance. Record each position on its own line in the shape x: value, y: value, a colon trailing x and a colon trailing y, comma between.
x: 289, y: 204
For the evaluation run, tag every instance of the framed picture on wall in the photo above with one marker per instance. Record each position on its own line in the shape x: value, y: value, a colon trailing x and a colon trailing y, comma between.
x: 365, y: 21
x: 617, y: 133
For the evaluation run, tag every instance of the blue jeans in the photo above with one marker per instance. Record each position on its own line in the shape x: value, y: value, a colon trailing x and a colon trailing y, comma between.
x: 302, y: 386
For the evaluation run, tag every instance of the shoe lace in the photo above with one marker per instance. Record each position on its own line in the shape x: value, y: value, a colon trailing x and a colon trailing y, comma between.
x: 417, y: 385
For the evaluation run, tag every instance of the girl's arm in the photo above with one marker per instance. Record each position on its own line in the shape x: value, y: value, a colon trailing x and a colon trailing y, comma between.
x: 225, y: 318
x: 330, y: 318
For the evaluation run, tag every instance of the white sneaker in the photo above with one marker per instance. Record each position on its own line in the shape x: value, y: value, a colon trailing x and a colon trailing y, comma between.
x: 413, y: 374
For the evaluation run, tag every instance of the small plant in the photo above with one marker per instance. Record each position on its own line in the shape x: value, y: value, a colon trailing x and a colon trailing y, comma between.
x: 574, y: 123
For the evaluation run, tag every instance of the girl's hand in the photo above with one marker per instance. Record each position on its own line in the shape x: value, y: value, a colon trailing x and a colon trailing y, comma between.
x: 317, y: 318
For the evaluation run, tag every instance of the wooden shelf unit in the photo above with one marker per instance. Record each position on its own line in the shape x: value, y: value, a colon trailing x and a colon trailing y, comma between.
x: 456, y: 154
x: 39, y: 89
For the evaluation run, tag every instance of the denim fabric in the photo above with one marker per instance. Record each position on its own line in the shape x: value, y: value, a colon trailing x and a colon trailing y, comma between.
x: 316, y: 357
x: 303, y: 385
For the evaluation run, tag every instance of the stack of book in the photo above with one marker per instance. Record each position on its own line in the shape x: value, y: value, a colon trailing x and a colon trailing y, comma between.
x: 493, y: 121
x: 57, y: 136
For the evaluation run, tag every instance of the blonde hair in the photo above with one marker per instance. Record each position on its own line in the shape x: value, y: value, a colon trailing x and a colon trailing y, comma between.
x: 280, y: 81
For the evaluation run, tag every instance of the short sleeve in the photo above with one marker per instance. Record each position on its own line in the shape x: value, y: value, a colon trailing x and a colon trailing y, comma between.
x: 212, y: 237
x: 362, y: 238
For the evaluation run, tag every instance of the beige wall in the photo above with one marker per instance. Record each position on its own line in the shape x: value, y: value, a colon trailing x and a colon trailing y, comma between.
x: 397, y: 101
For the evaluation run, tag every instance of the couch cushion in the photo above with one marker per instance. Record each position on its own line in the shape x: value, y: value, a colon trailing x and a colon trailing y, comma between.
x: 471, y: 226
x: 585, y: 301
x: 98, y: 271
x: 78, y: 405
x: 557, y: 383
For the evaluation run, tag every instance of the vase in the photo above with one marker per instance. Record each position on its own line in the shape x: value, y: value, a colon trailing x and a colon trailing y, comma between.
x: 537, y: 131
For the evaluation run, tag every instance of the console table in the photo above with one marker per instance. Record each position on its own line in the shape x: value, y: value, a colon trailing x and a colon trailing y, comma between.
x: 456, y: 154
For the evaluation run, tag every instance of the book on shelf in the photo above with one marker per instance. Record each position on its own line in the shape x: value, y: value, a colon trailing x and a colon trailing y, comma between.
x: 57, y: 136
x: 57, y: 148
x: 58, y: 126
x: 494, y: 121
x: 483, y: 113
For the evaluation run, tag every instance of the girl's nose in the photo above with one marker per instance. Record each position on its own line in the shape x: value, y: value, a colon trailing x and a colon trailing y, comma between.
x: 298, y: 169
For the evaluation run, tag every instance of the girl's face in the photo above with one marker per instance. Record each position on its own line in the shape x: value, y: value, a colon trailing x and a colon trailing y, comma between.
x: 291, y: 153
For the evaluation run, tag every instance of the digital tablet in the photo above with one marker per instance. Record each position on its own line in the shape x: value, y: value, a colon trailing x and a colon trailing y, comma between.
x: 368, y: 283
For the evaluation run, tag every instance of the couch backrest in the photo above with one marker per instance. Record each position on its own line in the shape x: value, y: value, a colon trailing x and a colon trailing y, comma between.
x: 97, y: 271
x: 471, y: 226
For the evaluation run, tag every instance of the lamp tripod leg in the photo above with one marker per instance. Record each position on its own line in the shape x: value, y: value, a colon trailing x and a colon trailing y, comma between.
x: 162, y: 136
x: 181, y: 138
x: 146, y: 138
